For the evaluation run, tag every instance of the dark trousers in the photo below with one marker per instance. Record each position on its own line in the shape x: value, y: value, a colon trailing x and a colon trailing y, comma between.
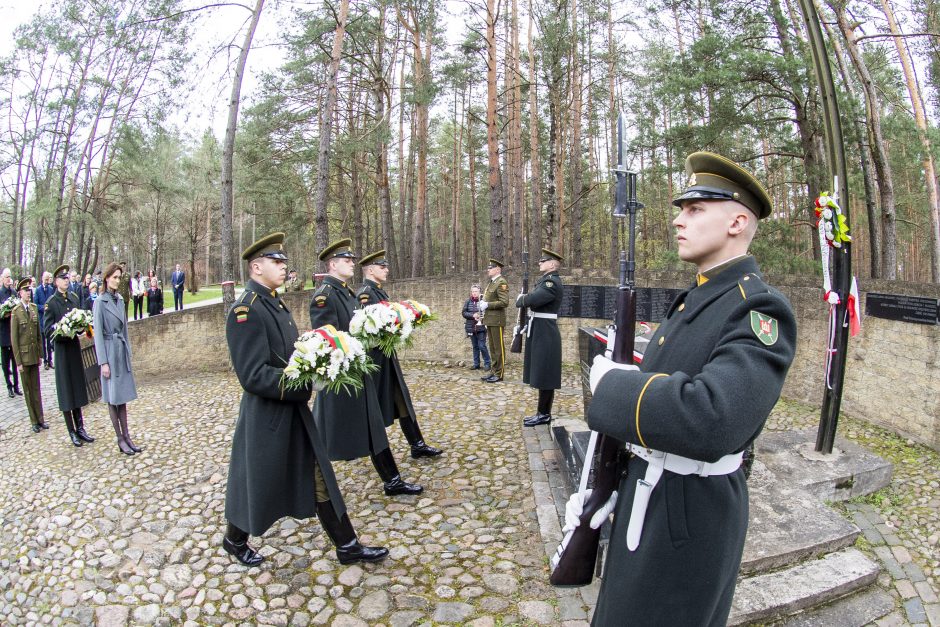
x: 10, y: 375
x: 177, y: 298
x: 32, y: 395
x: 478, y: 341
x: 46, y: 342
x: 138, y: 306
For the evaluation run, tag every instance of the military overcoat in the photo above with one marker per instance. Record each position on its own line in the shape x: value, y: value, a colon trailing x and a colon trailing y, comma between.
x: 67, y: 354
x: 709, y: 379
x: 113, y: 348
x: 351, y: 423
x: 25, y: 335
x: 389, y: 380
x: 542, y: 366
x: 496, y: 295
x: 276, y: 446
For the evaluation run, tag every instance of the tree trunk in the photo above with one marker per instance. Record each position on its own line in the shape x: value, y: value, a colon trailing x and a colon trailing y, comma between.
x: 576, y: 179
x: 321, y: 195
x: 535, y: 215
x: 920, y: 119
x: 227, y: 249
x: 497, y: 236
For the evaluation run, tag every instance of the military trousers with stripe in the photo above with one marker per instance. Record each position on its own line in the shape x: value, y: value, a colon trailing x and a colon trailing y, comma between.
x: 497, y: 350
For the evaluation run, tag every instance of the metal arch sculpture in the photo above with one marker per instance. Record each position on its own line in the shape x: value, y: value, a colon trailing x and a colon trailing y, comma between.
x: 842, y: 256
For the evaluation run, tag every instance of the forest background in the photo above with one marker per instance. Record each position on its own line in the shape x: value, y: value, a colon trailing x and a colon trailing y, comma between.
x: 448, y: 132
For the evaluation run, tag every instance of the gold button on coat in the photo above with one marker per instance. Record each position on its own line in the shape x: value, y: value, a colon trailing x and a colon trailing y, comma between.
x: 681, y: 306
x: 661, y: 340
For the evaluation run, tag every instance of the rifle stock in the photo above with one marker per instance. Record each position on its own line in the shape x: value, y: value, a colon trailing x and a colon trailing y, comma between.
x: 577, y: 554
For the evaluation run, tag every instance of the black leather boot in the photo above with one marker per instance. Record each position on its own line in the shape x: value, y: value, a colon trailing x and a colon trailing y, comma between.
x: 341, y: 532
x: 80, y: 426
x: 235, y: 544
x: 122, y: 416
x: 413, y: 434
x: 115, y: 415
x: 70, y: 426
x: 385, y: 465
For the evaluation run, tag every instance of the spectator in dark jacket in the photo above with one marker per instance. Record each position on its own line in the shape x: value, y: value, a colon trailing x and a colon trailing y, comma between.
x: 154, y: 299
x: 475, y: 329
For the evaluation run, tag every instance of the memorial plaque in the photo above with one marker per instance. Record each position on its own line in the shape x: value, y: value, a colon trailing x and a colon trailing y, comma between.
x: 916, y: 309
x: 571, y: 302
x: 592, y: 302
x: 611, y: 293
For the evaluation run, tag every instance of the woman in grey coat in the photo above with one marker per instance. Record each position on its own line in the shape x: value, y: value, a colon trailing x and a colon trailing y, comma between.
x: 114, y: 356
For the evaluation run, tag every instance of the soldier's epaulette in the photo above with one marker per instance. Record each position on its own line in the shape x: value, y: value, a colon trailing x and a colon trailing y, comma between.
x: 751, y: 284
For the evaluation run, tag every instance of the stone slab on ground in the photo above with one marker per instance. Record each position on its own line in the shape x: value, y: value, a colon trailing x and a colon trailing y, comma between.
x: 848, y: 472
x: 852, y: 611
x: 805, y: 585
x: 787, y: 524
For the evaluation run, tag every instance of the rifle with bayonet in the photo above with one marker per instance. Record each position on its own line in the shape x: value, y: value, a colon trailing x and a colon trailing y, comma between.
x: 520, y: 329
x: 574, y: 562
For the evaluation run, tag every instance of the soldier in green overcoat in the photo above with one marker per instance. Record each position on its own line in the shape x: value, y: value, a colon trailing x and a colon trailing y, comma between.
x: 279, y: 465
x: 27, y: 347
x: 493, y: 305
x: 351, y: 422
x: 70, y: 385
x: 390, y: 385
x: 542, y: 366
x: 712, y: 373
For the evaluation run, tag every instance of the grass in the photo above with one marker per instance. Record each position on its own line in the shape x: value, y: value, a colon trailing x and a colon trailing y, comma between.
x: 206, y: 292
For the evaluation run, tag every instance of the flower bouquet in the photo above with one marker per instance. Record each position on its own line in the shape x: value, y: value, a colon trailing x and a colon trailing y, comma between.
x: 327, y: 359
x: 6, y: 308
x: 385, y: 325
x: 421, y: 312
x: 74, y: 322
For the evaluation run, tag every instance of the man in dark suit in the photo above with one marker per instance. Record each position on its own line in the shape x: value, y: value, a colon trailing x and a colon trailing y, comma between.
x: 7, y: 358
x: 351, y: 422
x: 279, y: 466
x: 44, y: 292
x: 392, y: 390
x: 178, y: 280
x: 712, y: 373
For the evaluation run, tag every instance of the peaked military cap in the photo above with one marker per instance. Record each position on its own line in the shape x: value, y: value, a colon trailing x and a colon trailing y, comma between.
x: 23, y: 284
x: 496, y: 262
x: 271, y: 246
x: 713, y: 177
x: 377, y: 258
x: 61, y: 272
x: 548, y: 254
x: 341, y: 248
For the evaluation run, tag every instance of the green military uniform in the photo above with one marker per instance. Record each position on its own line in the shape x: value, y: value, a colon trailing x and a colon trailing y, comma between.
x: 294, y: 285
x: 27, y: 347
x: 390, y: 385
x: 496, y: 297
x: 711, y: 375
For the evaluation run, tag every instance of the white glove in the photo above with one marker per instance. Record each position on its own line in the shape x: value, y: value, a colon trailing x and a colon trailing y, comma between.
x: 575, y: 507
x: 603, y: 365
x: 482, y: 305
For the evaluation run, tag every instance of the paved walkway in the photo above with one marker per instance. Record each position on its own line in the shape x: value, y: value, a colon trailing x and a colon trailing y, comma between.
x: 89, y: 535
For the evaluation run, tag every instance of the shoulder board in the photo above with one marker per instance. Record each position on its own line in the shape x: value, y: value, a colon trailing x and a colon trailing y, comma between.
x: 324, y: 289
x: 751, y: 284
x: 248, y: 297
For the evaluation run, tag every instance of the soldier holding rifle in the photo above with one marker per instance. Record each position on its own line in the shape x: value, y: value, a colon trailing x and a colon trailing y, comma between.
x: 709, y: 379
x: 542, y: 366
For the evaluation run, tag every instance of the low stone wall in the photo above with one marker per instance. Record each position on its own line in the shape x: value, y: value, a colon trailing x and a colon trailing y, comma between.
x: 892, y: 378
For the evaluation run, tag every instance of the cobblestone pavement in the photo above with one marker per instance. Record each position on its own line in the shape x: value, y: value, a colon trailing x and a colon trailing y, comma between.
x: 89, y: 535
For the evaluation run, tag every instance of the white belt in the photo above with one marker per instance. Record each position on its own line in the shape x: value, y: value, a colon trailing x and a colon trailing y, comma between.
x: 539, y: 314
x: 658, y: 461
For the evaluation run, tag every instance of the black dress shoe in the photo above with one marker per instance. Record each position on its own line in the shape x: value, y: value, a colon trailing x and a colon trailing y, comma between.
x: 36, y: 428
x: 474, y: 367
x: 536, y: 420
x: 242, y: 552
x: 421, y: 449
x: 353, y: 552
x: 493, y: 379
x: 75, y: 440
x: 10, y: 392
x: 43, y: 425
x: 397, y: 486
x: 17, y: 392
